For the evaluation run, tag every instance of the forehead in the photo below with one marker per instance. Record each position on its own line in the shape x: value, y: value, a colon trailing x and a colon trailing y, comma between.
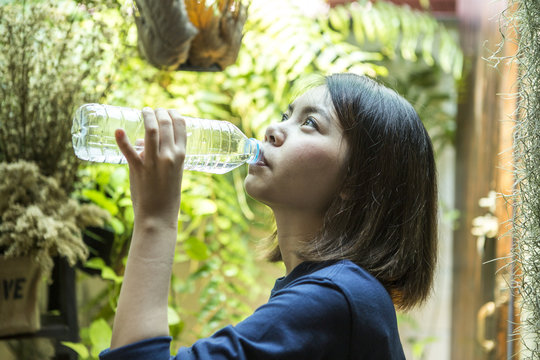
x: 315, y: 96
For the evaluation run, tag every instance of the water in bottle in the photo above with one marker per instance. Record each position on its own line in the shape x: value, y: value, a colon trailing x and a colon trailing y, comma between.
x: 212, y: 145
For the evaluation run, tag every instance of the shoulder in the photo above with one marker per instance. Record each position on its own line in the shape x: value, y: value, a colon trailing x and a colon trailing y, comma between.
x: 315, y: 294
x: 343, y: 287
x: 343, y: 270
x: 321, y: 283
x: 365, y: 294
x: 340, y: 287
x: 346, y: 277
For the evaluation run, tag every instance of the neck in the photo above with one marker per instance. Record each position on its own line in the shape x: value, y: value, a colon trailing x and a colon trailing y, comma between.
x: 293, y: 229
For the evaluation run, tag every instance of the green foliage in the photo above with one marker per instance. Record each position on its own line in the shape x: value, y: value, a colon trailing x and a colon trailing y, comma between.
x: 282, y: 50
x: 397, y: 32
x: 421, y: 58
x: 98, y: 335
x: 214, y: 240
x: 108, y: 187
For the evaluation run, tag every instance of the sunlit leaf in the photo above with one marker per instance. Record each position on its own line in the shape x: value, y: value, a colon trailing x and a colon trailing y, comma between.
x: 172, y: 316
x: 117, y: 225
x: 230, y: 270
x: 126, y: 201
x: 108, y: 274
x: 119, y: 177
x: 203, y: 206
x: 95, y: 263
x: 80, y: 349
x: 196, y: 249
x: 223, y: 223
x: 100, y: 336
x: 101, y: 200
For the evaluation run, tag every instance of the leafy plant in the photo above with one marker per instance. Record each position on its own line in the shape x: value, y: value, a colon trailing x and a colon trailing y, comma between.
x: 421, y: 57
x: 98, y: 335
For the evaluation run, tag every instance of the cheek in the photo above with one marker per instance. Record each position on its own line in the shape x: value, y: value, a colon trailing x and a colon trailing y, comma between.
x: 309, y: 178
x: 318, y: 171
x: 321, y: 162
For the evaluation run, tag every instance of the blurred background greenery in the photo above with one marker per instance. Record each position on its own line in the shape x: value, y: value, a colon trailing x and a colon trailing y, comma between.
x: 69, y: 52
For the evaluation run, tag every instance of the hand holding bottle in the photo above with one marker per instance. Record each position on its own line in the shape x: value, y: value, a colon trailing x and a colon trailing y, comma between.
x: 156, y: 173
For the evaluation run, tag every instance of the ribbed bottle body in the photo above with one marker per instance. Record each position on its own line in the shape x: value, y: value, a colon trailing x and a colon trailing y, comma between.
x: 212, y: 145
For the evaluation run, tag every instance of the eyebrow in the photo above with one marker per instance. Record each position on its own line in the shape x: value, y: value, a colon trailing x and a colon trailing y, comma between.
x: 312, y: 109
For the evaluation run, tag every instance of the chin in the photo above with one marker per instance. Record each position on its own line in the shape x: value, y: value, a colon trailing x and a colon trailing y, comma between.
x: 253, y: 188
x: 249, y: 184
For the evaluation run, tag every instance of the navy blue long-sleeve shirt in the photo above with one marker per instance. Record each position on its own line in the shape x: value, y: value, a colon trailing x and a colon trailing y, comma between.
x: 328, y: 310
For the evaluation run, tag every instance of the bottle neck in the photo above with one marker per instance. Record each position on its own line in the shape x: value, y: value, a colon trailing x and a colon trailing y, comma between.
x: 254, y: 148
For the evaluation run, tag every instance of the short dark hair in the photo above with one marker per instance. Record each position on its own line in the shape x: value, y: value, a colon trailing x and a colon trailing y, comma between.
x: 384, y: 217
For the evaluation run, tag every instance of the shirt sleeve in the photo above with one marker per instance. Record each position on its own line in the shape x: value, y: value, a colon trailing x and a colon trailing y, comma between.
x: 157, y: 348
x: 311, y: 320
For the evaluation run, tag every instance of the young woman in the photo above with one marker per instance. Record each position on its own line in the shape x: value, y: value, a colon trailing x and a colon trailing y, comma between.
x: 350, y: 176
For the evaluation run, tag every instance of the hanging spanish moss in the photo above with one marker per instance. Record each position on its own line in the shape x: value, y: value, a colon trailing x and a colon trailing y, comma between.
x: 525, y: 17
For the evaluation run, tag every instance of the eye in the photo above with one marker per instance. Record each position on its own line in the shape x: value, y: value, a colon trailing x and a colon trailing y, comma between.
x: 284, y: 117
x: 310, y: 121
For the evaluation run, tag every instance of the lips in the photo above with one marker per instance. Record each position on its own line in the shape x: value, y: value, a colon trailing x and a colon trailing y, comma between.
x: 262, y: 161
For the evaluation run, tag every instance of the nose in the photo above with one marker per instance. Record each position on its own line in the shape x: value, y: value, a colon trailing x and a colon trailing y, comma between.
x: 274, y: 135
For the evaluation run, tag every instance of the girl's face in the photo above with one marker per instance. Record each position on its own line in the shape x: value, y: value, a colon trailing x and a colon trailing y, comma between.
x: 303, y: 157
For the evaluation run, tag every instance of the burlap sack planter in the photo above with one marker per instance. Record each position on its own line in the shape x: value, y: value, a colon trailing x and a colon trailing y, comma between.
x: 19, y: 305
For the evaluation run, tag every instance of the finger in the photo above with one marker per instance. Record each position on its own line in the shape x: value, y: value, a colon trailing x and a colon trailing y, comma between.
x: 179, y: 127
x: 125, y: 147
x: 166, y: 136
x: 151, y: 134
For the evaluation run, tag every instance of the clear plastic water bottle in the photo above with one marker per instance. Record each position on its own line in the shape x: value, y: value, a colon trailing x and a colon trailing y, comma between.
x: 213, y: 146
